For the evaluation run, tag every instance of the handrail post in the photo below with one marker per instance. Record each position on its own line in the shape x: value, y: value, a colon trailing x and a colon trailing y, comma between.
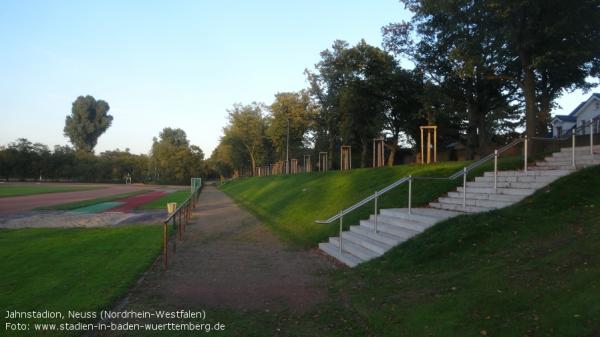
x: 464, y: 187
x: 525, y: 153
x: 376, y: 197
x: 341, y: 224
x: 495, y: 169
x: 410, y: 194
x: 174, y: 236
x: 573, y: 146
x: 591, y: 138
x: 165, y: 250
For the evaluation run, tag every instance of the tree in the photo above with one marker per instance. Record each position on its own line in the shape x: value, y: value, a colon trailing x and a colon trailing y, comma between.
x: 350, y: 84
x: 536, y: 48
x: 404, y: 111
x: 89, y: 119
x: 296, y: 108
x: 454, y: 52
x: 555, y: 46
x: 246, y: 131
x: 174, y: 159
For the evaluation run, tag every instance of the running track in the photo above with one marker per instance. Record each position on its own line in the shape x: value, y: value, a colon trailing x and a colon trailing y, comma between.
x: 30, y: 202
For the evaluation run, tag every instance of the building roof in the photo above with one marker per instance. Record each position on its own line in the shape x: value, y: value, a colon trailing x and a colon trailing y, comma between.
x: 580, y: 106
x: 572, y: 116
x: 566, y: 118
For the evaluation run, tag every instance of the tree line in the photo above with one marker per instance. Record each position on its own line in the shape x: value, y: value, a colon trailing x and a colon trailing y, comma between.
x: 482, y: 70
x: 172, y: 159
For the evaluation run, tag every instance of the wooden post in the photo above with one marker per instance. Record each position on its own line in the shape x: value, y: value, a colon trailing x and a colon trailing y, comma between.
x: 422, y: 153
x: 428, y: 146
x: 346, y: 158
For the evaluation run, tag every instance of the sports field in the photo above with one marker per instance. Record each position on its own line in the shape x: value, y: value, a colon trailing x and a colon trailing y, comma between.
x: 101, y: 205
x: 18, y: 189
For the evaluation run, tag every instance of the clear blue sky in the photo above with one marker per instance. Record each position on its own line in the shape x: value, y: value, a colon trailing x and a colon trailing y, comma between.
x: 158, y: 64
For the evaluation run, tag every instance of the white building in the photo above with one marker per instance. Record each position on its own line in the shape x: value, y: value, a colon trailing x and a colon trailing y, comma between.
x: 583, y: 113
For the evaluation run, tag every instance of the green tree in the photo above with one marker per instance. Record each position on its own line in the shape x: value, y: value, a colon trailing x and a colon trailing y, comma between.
x: 296, y: 108
x: 89, y: 119
x: 173, y: 159
x: 245, y: 132
x: 537, y: 48
x: 454, y: 52
x: 351, y: 85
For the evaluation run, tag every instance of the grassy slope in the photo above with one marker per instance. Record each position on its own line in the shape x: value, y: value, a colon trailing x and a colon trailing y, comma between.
x: 90, y: 202
x: 161, y: 203
x: 72, y: 269
x: 291, y: 204
x: 528, y: 270
x: 18, y: 190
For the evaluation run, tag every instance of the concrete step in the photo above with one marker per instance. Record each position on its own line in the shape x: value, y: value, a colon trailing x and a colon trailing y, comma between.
x: 580, y: 149
x: 381, y: 236
x: 460, y: 208
x: 387, y: 226
x: 475, y: 202
x: 520, y: 179
x: 564, y: 156
x: 417, y: 215
x: 491, y: 190
x: 530, y: 173
x: 438, y: 213
x: 594, y: 161
x: 346, y: 258
x: 366, y: 242
x: 505, y: 184
x: 413, y: 225
x: 578, y: 166
x: 361, y: 252
x: 487, y: 196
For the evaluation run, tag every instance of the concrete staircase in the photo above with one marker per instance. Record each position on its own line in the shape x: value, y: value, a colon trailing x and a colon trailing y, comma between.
x: 361, y: 243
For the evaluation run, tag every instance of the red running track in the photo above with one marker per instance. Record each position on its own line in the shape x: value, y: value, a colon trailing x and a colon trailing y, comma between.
x: 133, y: 202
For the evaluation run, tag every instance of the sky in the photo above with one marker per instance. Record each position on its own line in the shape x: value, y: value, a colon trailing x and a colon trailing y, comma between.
x: 159, y: 64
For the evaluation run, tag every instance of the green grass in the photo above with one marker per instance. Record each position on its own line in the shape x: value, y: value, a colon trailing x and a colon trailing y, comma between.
x: 289, y: 205
x: 531, y: 269
x: 72, y: 269
x: 161, y: 203
x: 9, y: 190
x: 90, y: 202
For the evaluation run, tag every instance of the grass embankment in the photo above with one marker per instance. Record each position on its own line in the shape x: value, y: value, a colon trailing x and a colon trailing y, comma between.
x: 71, y: 269
x: 531, y: 269
x: 161, y: 203
x: 291, y: 204
x: 10, y: 190
x: 90, y: 202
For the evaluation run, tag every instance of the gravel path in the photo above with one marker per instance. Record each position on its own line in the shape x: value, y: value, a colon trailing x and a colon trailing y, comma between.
x: 229, y: 260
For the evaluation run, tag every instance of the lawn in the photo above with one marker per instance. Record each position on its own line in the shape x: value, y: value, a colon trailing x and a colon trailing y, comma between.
x: 13, y: 190
x: 90, y: 202
x: 72, y: 269
x: 289, y: 205
x: 161, y: 203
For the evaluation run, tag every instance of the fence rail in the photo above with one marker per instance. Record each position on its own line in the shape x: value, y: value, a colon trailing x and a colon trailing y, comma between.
x: 178, y: 220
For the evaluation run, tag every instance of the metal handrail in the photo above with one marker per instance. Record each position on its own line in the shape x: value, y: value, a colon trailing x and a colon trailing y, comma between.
x: 405, y: 179
x: 462, y: 173
x: 179, y: 219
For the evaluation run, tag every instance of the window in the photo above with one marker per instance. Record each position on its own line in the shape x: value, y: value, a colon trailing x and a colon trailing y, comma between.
x: 558, y: 131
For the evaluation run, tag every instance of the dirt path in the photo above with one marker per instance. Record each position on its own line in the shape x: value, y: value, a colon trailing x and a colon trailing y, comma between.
x: 229, y: 260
